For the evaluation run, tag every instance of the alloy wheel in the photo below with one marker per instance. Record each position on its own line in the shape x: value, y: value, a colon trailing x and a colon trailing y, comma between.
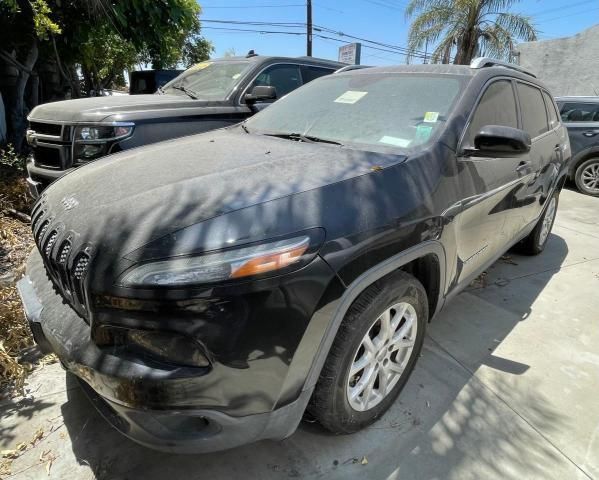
x: 548, y: 220
x: 590, y: 177
x: 382, y: 357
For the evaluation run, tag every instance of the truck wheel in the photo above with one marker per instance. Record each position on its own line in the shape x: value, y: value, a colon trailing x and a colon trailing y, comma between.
x: 587, y: 177
x: 373, y: 354
x: 536, y: 240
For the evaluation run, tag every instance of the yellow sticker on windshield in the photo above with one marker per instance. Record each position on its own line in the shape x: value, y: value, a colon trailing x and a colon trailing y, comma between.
x: 351, y: 96
x: 431, y: 117
x: 199, y: 66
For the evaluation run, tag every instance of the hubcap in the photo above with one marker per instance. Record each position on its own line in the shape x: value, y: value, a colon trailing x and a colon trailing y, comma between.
x: 590, y: 177
x: 382, y: 357
x: 547, y: 221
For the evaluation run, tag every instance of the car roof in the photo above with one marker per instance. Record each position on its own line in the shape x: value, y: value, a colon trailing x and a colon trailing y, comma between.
x: 485, y: 73
x: 271, y: 58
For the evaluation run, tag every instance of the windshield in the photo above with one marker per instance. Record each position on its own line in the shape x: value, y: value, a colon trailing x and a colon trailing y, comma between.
x: 371, y: 110
x: 208, y: 80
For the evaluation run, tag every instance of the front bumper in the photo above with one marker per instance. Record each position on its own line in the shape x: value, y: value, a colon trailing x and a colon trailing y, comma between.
x: 38, y: 178
x: 136, y: 397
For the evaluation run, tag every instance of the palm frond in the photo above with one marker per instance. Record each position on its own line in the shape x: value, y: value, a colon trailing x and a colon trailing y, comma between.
x: 518, y: 25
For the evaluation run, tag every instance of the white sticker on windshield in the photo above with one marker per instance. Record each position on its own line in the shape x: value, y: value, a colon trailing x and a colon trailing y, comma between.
x: 396, y: 141
x: 351, y: 96
x: 431, y: 117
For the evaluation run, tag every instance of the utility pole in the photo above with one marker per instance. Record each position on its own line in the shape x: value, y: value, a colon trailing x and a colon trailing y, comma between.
x: 309, y: 28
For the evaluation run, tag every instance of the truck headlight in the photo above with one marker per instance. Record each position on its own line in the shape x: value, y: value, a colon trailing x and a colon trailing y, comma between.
x: 256, y: 260
x: 93, y: 141
x: 95, y: 133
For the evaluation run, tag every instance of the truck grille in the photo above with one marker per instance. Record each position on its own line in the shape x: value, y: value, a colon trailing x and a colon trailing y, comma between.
x: 46, y: 128
x: 47, y: 157
x: 66, y: 263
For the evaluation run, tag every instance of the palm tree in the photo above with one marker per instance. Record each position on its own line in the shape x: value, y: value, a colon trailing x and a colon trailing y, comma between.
x: 464, y: 29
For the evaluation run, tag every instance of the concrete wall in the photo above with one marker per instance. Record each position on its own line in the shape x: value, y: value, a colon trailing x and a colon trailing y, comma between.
x: 568, y: 66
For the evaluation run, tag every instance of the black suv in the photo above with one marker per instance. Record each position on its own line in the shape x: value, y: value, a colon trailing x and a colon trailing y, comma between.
x: 209, y: 95
x: 208, y: 290
x: 581, y: 117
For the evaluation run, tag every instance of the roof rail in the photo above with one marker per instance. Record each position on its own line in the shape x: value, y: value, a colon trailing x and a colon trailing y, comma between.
x: 347, y: 68
x: 482, y: 62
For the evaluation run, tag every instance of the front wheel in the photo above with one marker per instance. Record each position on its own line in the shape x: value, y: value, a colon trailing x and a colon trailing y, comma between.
x: 536, y: 240
x: 587, y: 177
x: 373, y: 354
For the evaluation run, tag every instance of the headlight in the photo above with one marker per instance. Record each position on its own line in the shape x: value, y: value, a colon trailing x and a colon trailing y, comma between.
x: 95, y: 133
x: 91, y: 142
x: 226, y: 265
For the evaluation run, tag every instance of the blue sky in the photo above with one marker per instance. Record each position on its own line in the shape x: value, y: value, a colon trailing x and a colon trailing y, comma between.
x: 379, y: 20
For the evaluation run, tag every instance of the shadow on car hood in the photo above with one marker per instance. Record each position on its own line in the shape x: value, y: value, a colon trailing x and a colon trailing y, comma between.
x: 154, y: 190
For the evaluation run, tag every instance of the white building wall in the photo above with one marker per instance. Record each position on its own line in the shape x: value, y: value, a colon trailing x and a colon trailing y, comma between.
x: 568, y: 66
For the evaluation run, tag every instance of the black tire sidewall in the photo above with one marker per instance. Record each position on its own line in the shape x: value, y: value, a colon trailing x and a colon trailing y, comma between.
x: 578, y: 176
x: 392, y: 293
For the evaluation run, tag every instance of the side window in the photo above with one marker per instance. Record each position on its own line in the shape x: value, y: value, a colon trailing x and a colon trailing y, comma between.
x: 497, y: 106
x: 553, y: 117
x: 310, y: 73
x: 534, y: 115
x: 284, y: 78
x: 580, y: 112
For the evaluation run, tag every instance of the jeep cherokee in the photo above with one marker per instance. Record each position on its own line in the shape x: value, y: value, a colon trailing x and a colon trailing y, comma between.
x: 209, y: 290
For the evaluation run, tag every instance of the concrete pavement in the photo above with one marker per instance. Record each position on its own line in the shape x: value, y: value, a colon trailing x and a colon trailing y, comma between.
x: 507, y: 388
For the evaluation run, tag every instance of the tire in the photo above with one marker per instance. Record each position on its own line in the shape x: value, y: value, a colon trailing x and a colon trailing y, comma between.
x: 536, y: 240
x: 587, y: 177
x: 331, y: 404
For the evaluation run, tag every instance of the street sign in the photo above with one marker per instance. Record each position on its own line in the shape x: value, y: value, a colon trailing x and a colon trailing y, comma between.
x: 350, y: 53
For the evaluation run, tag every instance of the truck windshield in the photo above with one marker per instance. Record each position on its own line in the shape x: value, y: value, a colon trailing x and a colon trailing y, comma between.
x: 372, y: 110
x: 208, y: 80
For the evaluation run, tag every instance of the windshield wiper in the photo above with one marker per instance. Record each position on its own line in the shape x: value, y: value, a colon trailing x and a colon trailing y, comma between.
x: 190, y: 93
x: 303, y: 138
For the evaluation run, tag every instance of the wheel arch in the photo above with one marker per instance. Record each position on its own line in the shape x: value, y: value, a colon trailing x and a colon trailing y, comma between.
x: 580, y: 157
x: 423, y: 261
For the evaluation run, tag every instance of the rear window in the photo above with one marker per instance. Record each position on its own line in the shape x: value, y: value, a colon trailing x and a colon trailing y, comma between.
x: 383, y: 110
x: 580, y: 112
x: 532, y: 106
x: 310, y: 73
x: 553, y: 116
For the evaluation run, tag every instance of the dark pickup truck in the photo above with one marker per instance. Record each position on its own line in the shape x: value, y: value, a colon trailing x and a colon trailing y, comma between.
x: 207, y: 96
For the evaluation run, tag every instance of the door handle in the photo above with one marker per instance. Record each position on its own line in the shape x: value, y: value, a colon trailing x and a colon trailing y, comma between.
x: 590, y: 133
x: 524, y: 165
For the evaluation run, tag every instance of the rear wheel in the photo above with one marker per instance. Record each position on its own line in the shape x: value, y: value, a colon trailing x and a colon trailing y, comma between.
x: 587, y: 177
x: 536, y: 240
x: 373, y: 355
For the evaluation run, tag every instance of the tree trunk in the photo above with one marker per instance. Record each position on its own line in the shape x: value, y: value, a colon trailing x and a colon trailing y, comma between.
x: 19, y: 111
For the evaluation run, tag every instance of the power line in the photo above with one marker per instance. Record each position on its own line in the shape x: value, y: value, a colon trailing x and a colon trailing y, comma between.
x: 254, y: 6
x: 559, y: 9
x: 321, y: 28
x: 571, y: 15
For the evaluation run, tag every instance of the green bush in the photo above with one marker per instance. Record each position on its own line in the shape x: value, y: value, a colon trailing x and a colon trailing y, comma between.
x: 11, y: 162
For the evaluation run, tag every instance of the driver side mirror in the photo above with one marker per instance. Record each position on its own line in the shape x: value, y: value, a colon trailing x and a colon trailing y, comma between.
x: 260, y: 92
x: 502, y: 141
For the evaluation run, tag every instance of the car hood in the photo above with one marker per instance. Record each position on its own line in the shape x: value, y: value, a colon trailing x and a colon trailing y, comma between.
x: 127, y: 200
x: 116, y: 108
